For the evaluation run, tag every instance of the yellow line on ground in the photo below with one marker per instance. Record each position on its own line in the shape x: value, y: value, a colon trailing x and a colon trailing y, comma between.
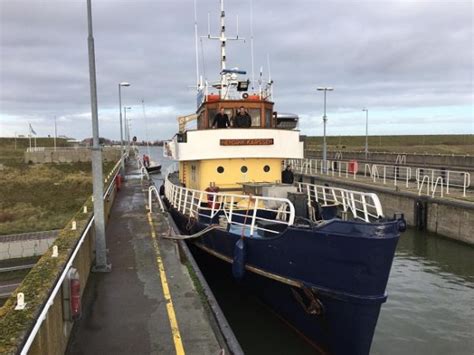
x: 178, y: 344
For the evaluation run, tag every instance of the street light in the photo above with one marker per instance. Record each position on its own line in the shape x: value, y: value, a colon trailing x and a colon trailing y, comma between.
x: 121, y: 130
x: 127, y: 131
x: 366, y: 132
x: 325, y: 89
x: 101, y: 264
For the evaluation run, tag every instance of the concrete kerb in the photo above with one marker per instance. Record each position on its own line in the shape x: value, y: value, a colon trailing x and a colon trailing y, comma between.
x: 221, y: 327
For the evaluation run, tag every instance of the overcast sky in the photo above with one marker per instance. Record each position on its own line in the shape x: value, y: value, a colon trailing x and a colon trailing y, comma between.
x: 409, y: 61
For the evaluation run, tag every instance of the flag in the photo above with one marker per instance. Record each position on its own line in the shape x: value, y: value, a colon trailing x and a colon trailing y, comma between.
x: 32, y: 130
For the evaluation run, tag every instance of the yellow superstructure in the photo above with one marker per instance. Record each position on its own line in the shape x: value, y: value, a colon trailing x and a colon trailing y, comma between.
x: 229, y: 174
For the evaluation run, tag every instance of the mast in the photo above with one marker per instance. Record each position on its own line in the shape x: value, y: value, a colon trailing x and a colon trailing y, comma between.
x: 196, y: 46
x: 223, y: 39
x: 251, y: 43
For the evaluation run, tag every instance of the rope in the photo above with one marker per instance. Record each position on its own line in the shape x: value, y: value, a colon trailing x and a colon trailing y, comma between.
x: 195, y: 235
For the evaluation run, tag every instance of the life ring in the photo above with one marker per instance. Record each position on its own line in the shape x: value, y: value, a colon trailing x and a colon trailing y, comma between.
x: 210, y: 197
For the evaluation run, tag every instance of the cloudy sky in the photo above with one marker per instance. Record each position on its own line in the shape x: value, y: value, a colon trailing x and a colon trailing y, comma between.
x: 409, y: 61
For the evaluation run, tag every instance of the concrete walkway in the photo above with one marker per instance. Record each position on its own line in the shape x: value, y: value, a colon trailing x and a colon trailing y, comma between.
x: 148, y: 303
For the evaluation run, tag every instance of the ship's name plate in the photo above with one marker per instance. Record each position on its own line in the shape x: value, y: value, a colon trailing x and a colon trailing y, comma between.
x: 250, y: 141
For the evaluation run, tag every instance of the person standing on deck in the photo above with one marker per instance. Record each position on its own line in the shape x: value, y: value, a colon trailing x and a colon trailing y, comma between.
x: 287, y: 176
x: 242, y: 119
x: 221, y: 120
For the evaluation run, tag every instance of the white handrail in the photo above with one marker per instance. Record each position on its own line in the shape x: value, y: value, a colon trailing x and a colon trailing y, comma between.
x: 196, y: 203
x: 363, y: 205
x: 440, y: 180
x: 152, y: 189
x: 59, y: 282
x: 420, y: 186
x: 396, y: 173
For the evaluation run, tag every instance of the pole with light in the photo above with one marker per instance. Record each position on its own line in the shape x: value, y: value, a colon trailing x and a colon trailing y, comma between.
x: 127, y: 127
x: 325, y: 89
x: 121, y: 125
x: 366, y: 132
x: 101, y: 264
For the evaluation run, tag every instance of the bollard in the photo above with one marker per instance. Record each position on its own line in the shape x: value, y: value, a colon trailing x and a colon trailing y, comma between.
x: 20, y: 301
x: 85, y: 209
x: 73, y: 226
x: 55, y: 252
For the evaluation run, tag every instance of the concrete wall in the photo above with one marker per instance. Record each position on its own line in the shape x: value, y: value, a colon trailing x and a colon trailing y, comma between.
x: 69, y: 155
x: 25, y: 245
x: 53, y: 335
x: 441, y: 160
x: 452, y: 219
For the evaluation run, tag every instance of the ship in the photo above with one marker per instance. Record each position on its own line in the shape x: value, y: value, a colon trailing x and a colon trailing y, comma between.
x: 319, y: 256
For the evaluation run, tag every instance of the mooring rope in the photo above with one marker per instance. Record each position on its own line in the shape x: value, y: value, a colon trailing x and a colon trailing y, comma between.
x: 195, y: 235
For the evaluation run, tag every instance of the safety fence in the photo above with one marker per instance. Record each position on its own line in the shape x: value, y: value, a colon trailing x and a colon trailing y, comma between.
x: 441, y: 181
x: 251, y: 213
x: 362, y: 205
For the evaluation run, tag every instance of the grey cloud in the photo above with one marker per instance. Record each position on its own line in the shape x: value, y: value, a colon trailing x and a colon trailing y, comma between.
x: 383, y: 54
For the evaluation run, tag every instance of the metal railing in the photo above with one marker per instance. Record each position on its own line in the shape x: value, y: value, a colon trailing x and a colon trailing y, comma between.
x: 143, y: 171
x: 59, y: 283
x: 451, y: 178
x: 153, y: 191
x: 338, y: 168
x: 363, y: 205
x: 431, y: 186
x: 393, y: 174
x: 238, y: 210
x: 401, y: 159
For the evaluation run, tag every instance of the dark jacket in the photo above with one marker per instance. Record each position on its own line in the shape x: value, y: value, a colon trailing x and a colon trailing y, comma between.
x: 242, y: 121
x: 222, y: 121
x: 287, y: 176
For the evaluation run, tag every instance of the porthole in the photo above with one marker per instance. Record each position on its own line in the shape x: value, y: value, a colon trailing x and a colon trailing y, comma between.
x: 220, y: 169
x: 243, y: 169
x: 266, y: 168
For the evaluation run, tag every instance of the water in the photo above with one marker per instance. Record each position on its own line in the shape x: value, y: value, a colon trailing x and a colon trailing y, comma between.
x: 430, y: 308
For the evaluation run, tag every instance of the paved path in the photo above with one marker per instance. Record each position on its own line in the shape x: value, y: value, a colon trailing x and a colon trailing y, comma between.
x: 131, y: 309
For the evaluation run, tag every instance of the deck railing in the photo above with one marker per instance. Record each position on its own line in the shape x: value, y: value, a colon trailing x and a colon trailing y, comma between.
x: 363, y: 206
x: 247, y: 211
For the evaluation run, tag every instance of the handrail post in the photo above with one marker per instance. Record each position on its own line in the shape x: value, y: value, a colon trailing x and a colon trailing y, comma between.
x: 254, y: 216
x: 149, y: 200
x: 447, y: 182
x: 231, y: 209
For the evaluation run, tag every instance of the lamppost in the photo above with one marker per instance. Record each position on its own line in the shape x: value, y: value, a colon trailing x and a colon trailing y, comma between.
x: 101, y: 264
x: 325, y: 89
x: 366, y: 132
x: 127, y: 131
x: 121, y: 129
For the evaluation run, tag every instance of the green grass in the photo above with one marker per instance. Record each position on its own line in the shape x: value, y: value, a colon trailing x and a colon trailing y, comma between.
x: 435, y: 144
x: 37, y: 197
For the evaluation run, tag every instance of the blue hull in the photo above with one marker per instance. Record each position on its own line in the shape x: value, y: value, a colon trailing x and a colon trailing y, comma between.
x: 327, y: 281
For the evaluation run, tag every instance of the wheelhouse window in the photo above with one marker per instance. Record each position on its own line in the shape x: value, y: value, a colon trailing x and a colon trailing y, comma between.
x: 255, y: 114
x: 211, y: 113
x: 268, y: 118
x: 201, y: 121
